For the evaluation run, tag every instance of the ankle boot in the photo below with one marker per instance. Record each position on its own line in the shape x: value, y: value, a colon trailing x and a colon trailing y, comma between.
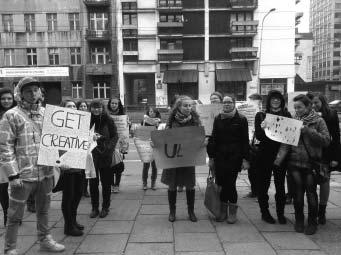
x: 172, y: 205
x: 232, y: 218
x: 322, y: 215
x: 312, y: 226
x: 71, y: 230
x: 299, y: 219
x: 223, y: 212
x: 190, y: 196
x: 280, y: 204
x: 267, y: 217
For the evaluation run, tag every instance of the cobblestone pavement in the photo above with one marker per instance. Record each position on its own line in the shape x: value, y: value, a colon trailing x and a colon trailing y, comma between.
x: 138, y: 224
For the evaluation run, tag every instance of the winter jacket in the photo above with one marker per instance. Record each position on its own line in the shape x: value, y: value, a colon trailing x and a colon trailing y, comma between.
x: 20, y: 133
x: 315, y: 138
x: 332, y: 151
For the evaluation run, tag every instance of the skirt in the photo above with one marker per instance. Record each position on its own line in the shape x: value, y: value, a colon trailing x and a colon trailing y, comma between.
x: 181, y: 176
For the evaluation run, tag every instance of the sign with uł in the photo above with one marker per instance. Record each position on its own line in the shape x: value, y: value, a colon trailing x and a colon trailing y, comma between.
x: 179, y: 147
x: 65, y: 138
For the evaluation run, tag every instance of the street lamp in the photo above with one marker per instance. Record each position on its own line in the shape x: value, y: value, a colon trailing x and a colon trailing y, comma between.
x: 260, y: 47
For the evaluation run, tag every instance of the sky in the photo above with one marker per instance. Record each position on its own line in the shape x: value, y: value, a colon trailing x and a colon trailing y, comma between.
x: 303, y: 6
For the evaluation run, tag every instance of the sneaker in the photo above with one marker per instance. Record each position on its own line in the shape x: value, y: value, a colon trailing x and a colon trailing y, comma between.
x: 50, y: 245
x: 116, y: 189
x: 144, y: 187
x: 12, y: 252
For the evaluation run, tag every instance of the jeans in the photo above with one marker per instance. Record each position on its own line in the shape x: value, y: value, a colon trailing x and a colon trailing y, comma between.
x: 228, y: 191
x: 117, y: 179
x: 4, y: 200
x: 17, y: 199
x: 106, y: 176
x: 145, y: 172
x: 72, y: 194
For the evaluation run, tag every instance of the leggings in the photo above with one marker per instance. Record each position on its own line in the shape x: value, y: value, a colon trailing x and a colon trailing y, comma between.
x: 324, y: 192
x: 4, y: 199
x: 228, y: 189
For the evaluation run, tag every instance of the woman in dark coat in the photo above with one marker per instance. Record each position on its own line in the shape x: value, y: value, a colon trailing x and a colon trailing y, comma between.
x: 106, y: 133
x: 6, y: 102
x: 275, y: 104
x: 228, y: 150
x: 181, y: 115
x: 330, y: 154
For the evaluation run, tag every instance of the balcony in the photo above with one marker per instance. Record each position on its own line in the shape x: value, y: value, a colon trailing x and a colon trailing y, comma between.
x: 170, y: 24
x: 170, y: 29
x: 247, y: 28
x: 98, y: 69
x: 97, y: 2
x: 170, y: 55
x: 243, y: 53
x: 98, y: 35
x: 169, y: 6
x: 244, y: 4
x: 129, y: 33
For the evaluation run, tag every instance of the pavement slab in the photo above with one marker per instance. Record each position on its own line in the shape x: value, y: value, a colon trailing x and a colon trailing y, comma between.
x: 290, y: 241
x: 112, y: 227
x: 202, y: 226
x: 149, y: 249
x: 103, y: 244
x: 249, y: 248
x: 199, y: 242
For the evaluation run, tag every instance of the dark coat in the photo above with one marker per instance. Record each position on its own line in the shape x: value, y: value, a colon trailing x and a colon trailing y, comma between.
x: 333, y: 150
x: 103, y: 153
x: 228, y: 145
x: 180, y: 176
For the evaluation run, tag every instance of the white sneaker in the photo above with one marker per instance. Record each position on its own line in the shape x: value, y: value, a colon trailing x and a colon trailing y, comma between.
x: 50, y: 245
x: 116, y: 189
x: 12, y: 252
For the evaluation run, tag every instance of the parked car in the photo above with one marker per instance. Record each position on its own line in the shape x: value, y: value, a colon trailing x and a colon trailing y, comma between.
x: 336, y: 105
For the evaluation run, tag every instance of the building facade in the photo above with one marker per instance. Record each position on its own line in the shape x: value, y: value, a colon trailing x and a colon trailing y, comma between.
x: 68, y: 44
x: 304, y: 55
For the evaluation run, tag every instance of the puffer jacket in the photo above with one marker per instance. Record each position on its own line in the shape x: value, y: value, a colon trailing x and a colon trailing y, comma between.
x: 20, y: 133
x: 315, y: 138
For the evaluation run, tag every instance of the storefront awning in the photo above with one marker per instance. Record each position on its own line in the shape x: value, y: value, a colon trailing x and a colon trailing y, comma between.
x: 176, y: 76
x: 233, y: 75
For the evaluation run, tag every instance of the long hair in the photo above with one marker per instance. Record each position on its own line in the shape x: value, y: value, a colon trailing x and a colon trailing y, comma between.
x: 176, y: 108
x: 64, y: 102
x: 6, y: 91
x: 120, y: 106
x: 156, y: 111
x: 325, y: 109
x: 78, y: 104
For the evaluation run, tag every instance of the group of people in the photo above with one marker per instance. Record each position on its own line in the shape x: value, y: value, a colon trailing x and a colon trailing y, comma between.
x: 228, y: 148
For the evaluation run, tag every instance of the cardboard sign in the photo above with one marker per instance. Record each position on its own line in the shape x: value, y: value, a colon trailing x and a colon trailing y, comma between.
x: 144, y: 149
x: 122, y: 125
x: 282, y: 129
x: 207, y: 114
x: 144, y: 132
x: 249, y: 110
x: 291, y: 96
x: 179, y: 147
x: 65, y: 138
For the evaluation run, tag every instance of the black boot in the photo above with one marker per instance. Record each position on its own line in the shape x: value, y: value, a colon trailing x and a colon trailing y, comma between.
x: 280, y: 212
x: 172, y: 205
x: 5, y: 217
x: 299, y: 219
x: 322, y: 214
x: 267, y: 217
x: 312, y: 220
x: 190, y: 196
x: 71, y: 230
x: 94, y: 213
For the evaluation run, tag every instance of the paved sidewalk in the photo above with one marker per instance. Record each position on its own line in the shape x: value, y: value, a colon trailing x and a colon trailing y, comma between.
x: 138, y: 225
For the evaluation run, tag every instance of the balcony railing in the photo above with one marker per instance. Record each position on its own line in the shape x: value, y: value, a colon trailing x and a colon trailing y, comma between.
x: 169, y: 4
x: 244, y: 4
x: 170, y: 55
x: 244, y: 27
x: 97, y: 2
x: 98, y: 69
x: 244, y: 53
x: 98, y: 35
x: 170, y: 24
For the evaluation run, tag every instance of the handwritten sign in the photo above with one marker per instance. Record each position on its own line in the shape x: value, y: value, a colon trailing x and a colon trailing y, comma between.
x: 282, y: 129
x: 207, y: 114
x: 249, y: 110
x: 179, y: 147
x: 121, y: 122
x: 144, y: 149
x: 65, y: 138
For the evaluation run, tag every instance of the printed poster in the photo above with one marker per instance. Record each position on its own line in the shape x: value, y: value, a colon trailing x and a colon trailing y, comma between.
x: 65, y: 138
x: 282, y: 129
x: 207, y: 113
x: 122, y: 125
x: 179, y: 147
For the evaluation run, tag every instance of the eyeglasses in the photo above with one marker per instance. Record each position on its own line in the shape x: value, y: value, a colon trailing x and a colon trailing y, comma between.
x: 227, y: 102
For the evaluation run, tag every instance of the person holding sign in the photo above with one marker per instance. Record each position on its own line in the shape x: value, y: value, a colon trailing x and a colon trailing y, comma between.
x: 106, y: 142
x: 181, y: 115
x: 228, y: 150
x: 275, y: 104
x: 115, y: 108
x: 314, y: 138
x: 330, y: 154
x: 20, y: 133
x: 151, y: 118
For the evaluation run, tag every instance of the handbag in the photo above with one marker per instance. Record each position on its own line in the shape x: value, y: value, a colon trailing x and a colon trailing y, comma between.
x: 212, y: 196
x: 320, y: 169
x: 116, y: 158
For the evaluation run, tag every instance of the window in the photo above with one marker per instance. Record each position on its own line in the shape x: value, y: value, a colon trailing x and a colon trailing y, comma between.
x: 75, y: 56
x: 171, y: 18
x: 9, y: 57
x: 99, y: 55
x: 336, y: 53
x: 170, y: 44
x: 101, y: 90
x: 7, y: 21
x: 51, y: 21
x: 129, y: 32
x: 77, y: 89
x: 273, y: 84
x: 337, y: 14
x: 54, y: 56
x: 336, y: 63
x: 337, y: 26
x: 130, y: 19
x: 337, y: 44
x: 31, y: 56
x: 241, y: 42
x: 29, y: 22
x: 99, y: 21
x: 74, y: 21
x: 129, y: 6
x: 130, y: 45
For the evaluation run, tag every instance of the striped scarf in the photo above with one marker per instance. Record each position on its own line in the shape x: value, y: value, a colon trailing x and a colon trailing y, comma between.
x: 309, y: 118
x: 182, y: 118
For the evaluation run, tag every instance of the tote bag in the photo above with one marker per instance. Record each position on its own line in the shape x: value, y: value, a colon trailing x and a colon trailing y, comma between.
x: 212, y: 196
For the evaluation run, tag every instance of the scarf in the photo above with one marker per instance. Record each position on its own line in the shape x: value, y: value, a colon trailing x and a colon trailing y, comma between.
x: 228, y: 115
x: 116, y: 112
x: 33, y: 109
x: 309, y: 118
x: 182, y: 118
